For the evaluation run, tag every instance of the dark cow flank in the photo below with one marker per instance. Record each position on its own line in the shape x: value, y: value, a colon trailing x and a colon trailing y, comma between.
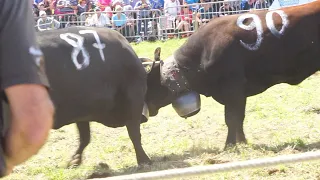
x: 234, y: 57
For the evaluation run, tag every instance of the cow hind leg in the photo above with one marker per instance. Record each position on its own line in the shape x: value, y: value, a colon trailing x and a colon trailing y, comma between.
x: 84, y: 133
x: 133, y: 125
x: 235, y: 103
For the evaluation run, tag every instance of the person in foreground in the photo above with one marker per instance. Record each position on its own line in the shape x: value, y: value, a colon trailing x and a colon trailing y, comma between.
x: 23, y: 87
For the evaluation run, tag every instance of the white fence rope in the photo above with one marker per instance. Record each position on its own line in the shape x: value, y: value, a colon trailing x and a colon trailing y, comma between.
x: 201, y: 170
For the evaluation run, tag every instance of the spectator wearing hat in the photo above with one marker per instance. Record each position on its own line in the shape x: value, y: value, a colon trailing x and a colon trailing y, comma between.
x: 42, y: 7
x: 100, y: 19
x: 46, y: 23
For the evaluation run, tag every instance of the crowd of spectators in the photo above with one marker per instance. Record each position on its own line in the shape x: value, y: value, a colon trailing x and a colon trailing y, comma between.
x: 135, y: 17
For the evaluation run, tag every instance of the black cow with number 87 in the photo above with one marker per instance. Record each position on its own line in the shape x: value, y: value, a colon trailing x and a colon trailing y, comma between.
x: 95, y: 75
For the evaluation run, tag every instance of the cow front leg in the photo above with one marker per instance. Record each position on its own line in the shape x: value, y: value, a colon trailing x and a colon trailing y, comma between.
x: 84, y: 134
x: 235, y: 104
x: 133, y: 128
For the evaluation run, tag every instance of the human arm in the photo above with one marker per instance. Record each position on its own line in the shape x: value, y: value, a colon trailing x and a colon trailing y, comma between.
x: 23, y: 84
x: 31, y: 120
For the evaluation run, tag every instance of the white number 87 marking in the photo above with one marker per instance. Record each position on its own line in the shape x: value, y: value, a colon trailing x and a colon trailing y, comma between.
x: 78, y: 47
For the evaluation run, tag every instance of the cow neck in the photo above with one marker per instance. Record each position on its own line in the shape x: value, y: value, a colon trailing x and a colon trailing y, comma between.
x: 186, y: 69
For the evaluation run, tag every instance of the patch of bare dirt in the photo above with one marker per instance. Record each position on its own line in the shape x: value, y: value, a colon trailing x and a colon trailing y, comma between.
x: 99, y: 175
x: 313, y: 110
x: 215, y: 161
x: 275, y: 170
x: 102, y: 171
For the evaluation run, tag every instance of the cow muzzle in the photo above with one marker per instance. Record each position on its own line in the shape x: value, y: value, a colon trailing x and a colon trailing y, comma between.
x: 187, y: 104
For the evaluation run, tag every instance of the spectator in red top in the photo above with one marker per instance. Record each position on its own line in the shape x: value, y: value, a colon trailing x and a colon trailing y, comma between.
x: 103, y: 4
x: 184, y: 19
x: 186, y: 13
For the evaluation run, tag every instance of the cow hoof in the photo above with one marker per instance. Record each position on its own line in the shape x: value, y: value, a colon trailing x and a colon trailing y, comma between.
x: 229, y: 146
x: 242, y: 142
x: 241, y: 138
x: 145, y: 163
x: 75, y: 161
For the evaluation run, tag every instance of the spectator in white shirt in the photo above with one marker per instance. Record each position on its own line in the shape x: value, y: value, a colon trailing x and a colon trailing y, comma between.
x: 46, y: 23
x: 100, y: 19
x: 172, y: 7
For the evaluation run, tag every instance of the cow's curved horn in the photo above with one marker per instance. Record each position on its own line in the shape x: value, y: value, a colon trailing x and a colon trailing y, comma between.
x: 157, y: 53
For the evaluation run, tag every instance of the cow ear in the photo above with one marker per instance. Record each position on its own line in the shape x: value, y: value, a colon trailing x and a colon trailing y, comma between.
x: 157, y: 53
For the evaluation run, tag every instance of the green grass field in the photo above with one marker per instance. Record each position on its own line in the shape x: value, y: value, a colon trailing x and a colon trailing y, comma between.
x: 283, y: 120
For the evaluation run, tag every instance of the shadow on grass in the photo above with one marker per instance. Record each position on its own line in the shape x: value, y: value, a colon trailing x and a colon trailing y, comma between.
x: 159, y: 163
x: 314, y: 110
x: 173, y: 161
x: 297, y: 145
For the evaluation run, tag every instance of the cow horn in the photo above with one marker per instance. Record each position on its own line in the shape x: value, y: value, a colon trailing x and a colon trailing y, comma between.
x: 157, y: 53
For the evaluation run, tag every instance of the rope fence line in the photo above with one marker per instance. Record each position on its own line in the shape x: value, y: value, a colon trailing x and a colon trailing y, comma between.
x: 217, y: 168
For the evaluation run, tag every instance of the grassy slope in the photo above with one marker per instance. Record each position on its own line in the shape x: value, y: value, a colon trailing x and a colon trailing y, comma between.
x: 283, y: 120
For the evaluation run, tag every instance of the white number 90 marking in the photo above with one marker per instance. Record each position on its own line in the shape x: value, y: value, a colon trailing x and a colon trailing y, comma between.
x: 256, y: 24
